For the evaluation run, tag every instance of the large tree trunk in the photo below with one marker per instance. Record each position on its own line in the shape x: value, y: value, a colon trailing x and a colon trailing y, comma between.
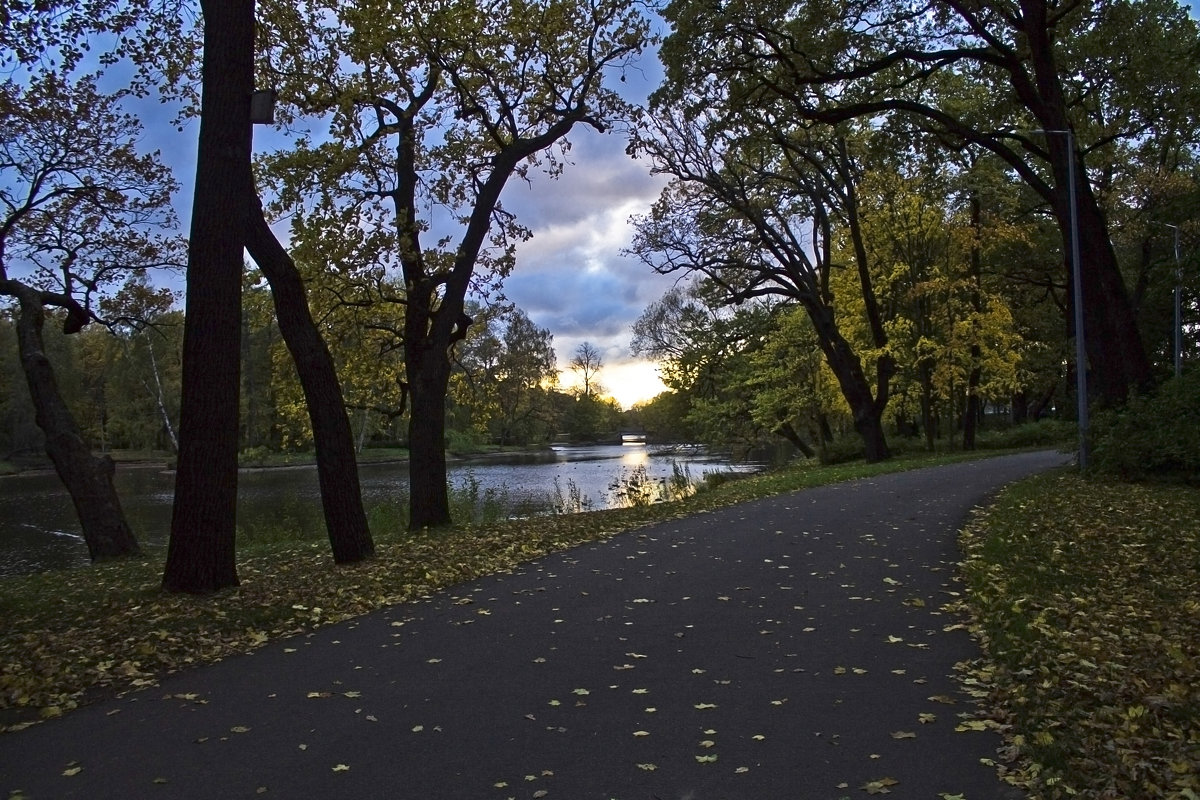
x: 1116, y: 356
x: 337, y: 467
x: 1115, y: 352
x: 201, y: 555
x: 867, y: 408
x: 429, y: 501
x: 87, y: 478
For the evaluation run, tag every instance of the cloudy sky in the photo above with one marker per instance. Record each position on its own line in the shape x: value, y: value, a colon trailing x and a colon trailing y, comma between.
x: 571, y: 277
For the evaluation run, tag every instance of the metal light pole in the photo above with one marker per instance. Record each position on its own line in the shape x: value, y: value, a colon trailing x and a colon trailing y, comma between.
x: 1178, y: 305
x: 1080, y: 344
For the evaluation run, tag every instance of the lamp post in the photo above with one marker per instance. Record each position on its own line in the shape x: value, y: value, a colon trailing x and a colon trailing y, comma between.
x: 1076, y: 279
x: 1178, y: 304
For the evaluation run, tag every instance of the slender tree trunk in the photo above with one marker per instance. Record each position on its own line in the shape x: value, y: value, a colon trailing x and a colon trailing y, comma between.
x: 788, y: 431
x: 160, y: 398
x: 925, y: 371
x: 337, y: 466
x: 87, y: 478
x: 971, y: 417
x: 201, y: 556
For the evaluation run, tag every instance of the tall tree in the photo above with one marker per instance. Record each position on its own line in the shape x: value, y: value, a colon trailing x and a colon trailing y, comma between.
x: 525, y: 370
x: 985, y: 73
x: 201, y: 556
x: 337, y: 466
x: 76, y: 214
x: 436, y: 107
x: 587, y: 363
x: 754, y: 206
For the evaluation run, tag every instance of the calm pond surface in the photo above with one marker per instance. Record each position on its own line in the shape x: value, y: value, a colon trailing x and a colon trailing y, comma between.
x: 39, y: 531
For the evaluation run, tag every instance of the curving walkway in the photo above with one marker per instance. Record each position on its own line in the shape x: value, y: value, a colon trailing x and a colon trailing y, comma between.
x: 786, y: 648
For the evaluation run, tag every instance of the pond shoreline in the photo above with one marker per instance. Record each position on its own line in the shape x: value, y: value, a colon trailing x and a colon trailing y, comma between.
x: 164, y: 461
x: 39, y: 530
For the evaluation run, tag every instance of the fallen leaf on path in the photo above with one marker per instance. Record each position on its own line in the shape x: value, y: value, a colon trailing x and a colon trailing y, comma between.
x: 881, y: 786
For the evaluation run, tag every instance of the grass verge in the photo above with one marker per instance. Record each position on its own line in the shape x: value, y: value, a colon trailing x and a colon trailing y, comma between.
x: 1086, y: 597
x: 70, y: 636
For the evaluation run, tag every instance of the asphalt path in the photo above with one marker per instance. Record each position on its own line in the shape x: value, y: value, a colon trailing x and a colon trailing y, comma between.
x: 793, y: 647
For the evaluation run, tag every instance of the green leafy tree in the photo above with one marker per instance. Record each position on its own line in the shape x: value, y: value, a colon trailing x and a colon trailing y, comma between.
x: 987, y: 74
x: 144, y: 402
x: 754, y: 207
x: 435, y: 107
x: 77, y: 213
x: 526, y: 370
x: 703, y: 349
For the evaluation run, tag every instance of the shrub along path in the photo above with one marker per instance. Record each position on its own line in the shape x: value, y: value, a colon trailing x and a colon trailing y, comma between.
x: 792, y: 647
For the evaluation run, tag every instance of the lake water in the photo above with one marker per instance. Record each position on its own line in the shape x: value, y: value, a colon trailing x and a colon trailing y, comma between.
x: 39, y: 530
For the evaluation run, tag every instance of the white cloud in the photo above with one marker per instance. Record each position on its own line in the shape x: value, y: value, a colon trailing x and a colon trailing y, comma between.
x: 572, y: 276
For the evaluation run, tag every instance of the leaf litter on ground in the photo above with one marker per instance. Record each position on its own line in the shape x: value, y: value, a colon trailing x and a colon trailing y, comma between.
x: 1085, y: 595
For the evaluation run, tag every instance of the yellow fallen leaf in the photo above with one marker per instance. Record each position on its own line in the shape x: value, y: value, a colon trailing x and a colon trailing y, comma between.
x: 903, y: 735
x: 341, y: 767
x: 881, y: 786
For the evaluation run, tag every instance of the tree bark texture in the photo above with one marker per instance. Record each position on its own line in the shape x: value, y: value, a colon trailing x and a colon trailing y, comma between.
x: 866, y: 407
x: 201, y: 555
x: 87, y: 478
x: 429, y: 500
x: 1115, y: 352
x: 1117, y: 361
x: 337, y: 466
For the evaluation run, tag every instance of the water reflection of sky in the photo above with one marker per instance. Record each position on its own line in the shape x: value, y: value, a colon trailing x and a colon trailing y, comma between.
x: 39, y: 531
